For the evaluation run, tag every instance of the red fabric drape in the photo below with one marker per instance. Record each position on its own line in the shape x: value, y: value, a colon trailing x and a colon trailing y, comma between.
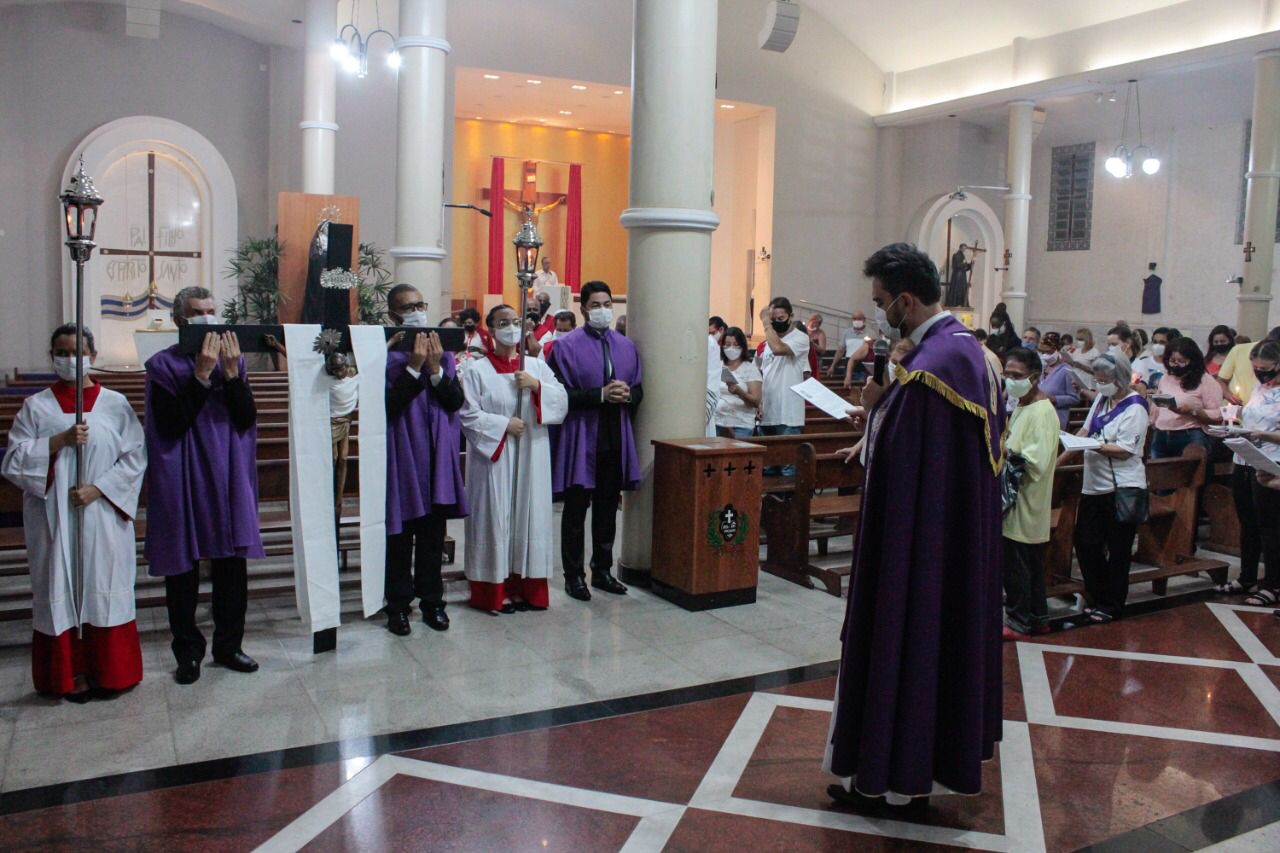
x: 497, y: 242
x: 573, y: 231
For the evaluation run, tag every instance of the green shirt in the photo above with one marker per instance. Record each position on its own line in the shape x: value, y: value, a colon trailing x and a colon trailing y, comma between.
x: 1033, y: 434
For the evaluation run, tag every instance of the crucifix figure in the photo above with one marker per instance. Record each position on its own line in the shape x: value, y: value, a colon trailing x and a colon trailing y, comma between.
x: 151, y: 253
x: 1008, y: 255
x: 1249, y: 249
x: 527, y: 201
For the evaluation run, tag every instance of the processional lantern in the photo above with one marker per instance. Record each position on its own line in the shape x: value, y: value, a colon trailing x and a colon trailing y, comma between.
x: 80, y: 203
x: 527, y: 243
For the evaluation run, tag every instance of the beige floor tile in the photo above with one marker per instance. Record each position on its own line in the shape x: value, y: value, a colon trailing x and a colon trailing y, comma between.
x: 222, y: 729
x: 73, y: 751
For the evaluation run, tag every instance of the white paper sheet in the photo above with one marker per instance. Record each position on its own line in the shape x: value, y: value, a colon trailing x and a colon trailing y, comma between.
x: 1252, y: 455
x: 369, y: 344
x: 1076, y: 442
x: 315, y: 544
x: 824, y: 398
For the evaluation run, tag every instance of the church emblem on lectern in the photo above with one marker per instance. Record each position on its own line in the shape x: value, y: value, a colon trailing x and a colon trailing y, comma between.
x: 727, y: 526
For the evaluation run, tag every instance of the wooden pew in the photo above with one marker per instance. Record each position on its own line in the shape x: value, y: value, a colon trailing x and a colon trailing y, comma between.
x: 1067, y: 482
x: 789, y: 519
x: 1220, y: 506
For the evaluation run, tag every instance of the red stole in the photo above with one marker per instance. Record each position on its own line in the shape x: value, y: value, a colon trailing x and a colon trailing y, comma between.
x: 65, y: 394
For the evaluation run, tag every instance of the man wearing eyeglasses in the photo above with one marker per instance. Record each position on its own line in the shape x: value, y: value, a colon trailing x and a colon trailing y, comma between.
x: 424, y: 474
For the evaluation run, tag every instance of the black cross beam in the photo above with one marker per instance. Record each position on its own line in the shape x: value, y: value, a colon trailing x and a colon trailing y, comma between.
x: 729, y: 469
x: 749, y: 467
x: 709, y: 470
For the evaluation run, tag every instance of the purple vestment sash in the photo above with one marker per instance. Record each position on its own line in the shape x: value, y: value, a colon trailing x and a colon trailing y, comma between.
x: 1100, y: 419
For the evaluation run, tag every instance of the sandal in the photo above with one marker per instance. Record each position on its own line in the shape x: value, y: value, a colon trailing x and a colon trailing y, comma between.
x: 1263, y: 598
x: 1232, y: 587
x: 1097, y: 617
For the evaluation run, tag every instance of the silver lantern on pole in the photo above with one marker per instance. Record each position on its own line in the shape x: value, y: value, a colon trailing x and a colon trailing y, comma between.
x: 80, y: 203
x: 527, y: 243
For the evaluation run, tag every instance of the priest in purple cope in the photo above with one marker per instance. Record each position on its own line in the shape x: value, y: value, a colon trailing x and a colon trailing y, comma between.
x: 424, y: 469
x: 202, y: 486
x: 593, y: 457
x: 918, y: 701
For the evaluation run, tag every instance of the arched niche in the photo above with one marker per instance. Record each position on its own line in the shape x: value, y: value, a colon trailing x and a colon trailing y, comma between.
x: 188, y: 167
x: 972, y: 218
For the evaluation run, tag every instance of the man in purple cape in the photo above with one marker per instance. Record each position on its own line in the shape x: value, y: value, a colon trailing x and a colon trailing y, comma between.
x: 594, y: 454
x: 424, y: 470
x: 202, y: 486
x: 918, y: 702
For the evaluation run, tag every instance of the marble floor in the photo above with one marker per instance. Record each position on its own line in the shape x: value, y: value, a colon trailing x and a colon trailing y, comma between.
x: 1159, y: 732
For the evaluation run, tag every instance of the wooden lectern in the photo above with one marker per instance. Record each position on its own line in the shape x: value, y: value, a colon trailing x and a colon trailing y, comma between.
x: 706, y: 527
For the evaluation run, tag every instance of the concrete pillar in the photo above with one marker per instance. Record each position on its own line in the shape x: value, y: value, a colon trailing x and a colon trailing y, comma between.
x: 670, y: 221
x: 420, y: 133
x: 1260, y: 202
x: 1017, y: 210
x: 319, y: 98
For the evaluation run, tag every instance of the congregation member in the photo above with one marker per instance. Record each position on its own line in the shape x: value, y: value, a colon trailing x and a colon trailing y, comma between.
x: 1031, y: 338
x: 545, y: 278
x: 783, y: 362
x: 510, y: 544
x: 992, y: 359
x: 817, y: 337
x: 1033, y: 436
x: 1080, y: 357
x: 1221, y: 340
x: 918, y: 697
x: 594, y: 458
x: 1112, y: 502
x: 1150, y: 368
x: 1236, y: 374
x: 202, y: 486
x: 1186, y: 400
x: 424, y: 473
x: 1056, y: 380
x: 738, y: 401
x: 854, y: 346
x: 105, y: 655
x: 1257, y: 505
x: 621, y: 326
x: 1003, y: 336
x: 565, y: 322
x: 475, y: 340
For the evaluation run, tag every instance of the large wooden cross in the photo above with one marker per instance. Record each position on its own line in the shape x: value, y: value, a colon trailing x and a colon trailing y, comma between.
x: 136, y: 239
x: 527, y: 201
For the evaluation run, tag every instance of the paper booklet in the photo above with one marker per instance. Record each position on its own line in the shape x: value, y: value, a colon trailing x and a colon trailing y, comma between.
x: 1252, y: 456
x: 813, y: 391
x: 1076, y: 442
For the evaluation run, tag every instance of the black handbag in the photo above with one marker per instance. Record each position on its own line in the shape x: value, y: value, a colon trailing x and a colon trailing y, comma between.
x: 1133, y: 506
x: 1011, y: 474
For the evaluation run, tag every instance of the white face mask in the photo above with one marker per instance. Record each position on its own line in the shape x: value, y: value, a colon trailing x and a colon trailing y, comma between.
x: 1115, y: 350
x: 417, y: 319
x: 202, y: 320
x: 65, y: 367
x: 600, y: 318
x: 508, y: 336
x: 1157, y: 350
x: 733, y: 353
x: 1108, y: 389
x: 1017, y: 388
x: 558, y: 335
x: 859, y: 325
x: 1050, y: 359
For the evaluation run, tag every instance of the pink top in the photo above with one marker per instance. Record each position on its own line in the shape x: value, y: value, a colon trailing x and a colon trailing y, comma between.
x: 1209, y: 395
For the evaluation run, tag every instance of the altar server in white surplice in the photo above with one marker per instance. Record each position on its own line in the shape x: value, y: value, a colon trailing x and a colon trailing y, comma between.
x: 40, y: 460
x: 509, y: 555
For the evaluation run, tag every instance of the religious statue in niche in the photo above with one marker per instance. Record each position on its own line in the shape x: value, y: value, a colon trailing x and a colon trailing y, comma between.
x: 1151, y: 290
x: 961, y: 275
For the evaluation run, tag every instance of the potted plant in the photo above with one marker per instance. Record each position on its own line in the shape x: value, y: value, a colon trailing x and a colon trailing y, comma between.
x: 375, y: 284
x: 256, y: 268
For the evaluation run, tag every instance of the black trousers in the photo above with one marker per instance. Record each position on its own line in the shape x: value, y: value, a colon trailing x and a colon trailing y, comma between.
x: 414, y: 557
x: 1024, y: 603
x: 1104, y: 547
x: 230, y: 598
x: 603, y: 501
x: 1242, y: 483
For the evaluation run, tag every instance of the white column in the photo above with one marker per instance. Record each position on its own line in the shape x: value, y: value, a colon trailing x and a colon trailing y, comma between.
x: 1260, y: 202
x: 1017, y: 210
x: 319, y: 98
x: 669, y: 242
x: 419, y: 248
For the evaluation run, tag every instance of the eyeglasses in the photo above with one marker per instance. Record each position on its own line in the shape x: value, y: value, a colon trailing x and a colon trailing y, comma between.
x: 505, y: 324
x: 406, y: 307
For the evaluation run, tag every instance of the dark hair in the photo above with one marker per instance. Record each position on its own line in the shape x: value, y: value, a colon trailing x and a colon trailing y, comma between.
x: 488, y: 318
x: 565, y: 313
x: 1032, y: 329
x: 1189, y: 350
x: 902, y: 268
x: 717, y: 322
x: 1124, y: 333
x: 1028, y: 358
x: 1273, y: 335
x: 737, y: 334
x: 1267, y: 350
x: 1170, y: 333
x: 593, y: 287
x: 1220, y: 330
x: 469, y: 314
x: 781, y: 302
x: 70, y: 329
x: 980, y: 334
x: 399, y: 289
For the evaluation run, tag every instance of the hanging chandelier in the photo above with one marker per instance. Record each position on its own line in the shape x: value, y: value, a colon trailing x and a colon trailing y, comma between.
x: 351, y: 49
x: 1120, y: 163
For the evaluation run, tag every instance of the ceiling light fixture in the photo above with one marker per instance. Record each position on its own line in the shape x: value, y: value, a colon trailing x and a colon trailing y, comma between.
x: 578, y: 87
x: 1120, y: 163
x: 534, y: 82
x: 351, y: 49
x: 726, y: 106
x: 618, y: 92
x: 492, y: 77
x: 566, y: 113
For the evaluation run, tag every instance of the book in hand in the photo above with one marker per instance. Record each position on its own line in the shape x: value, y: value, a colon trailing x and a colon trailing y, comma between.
x: 1078, y: 442
x: 727, y: 377
x: 1224, y: 430
x: 1252, y: 456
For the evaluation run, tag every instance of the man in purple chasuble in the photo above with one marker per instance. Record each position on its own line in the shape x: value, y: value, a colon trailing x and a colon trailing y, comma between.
x: 593, y: 457
x: 202, y: 486
x: 424, y: 468
x: 918, y: 701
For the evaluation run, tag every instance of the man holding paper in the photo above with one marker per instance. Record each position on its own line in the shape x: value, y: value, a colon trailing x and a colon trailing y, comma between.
x: 918, y: 700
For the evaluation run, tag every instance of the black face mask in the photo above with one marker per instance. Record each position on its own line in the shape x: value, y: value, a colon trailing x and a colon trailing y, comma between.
x: 469, y: 327
x: 1266, y: 376
x: 781, y: 326
x: 1178, y: 369
x: 1223, y: 348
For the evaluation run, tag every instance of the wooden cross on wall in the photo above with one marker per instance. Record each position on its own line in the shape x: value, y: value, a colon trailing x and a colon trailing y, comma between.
x: 150, y: 253
x: 1249, y: 249
x: 528, y: 194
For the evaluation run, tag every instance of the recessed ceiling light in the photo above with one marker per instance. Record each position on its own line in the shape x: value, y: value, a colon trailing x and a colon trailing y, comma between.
x: 492, y: 77
x: 534, y: 82
x: 582, y: 128
x: 479, y: 118
x: 618, y: 92
x: 565, y: 113
x: 542, y: 119
x: 578, y: 87
x: 726, y: 106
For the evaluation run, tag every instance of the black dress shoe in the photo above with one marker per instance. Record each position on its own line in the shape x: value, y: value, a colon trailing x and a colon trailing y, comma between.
x: 608, y: 583
x: 576, y: 587
x: 398, y: 623
x: 188, y: 672
x: 436, y: 618
x: 238, y: 661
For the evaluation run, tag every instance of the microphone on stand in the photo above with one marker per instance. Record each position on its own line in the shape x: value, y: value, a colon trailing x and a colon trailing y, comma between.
x: 881, y: 350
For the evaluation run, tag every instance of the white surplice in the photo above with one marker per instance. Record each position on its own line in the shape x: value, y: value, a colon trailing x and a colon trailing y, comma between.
x: 114, y: 461
x: 495, y: 535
